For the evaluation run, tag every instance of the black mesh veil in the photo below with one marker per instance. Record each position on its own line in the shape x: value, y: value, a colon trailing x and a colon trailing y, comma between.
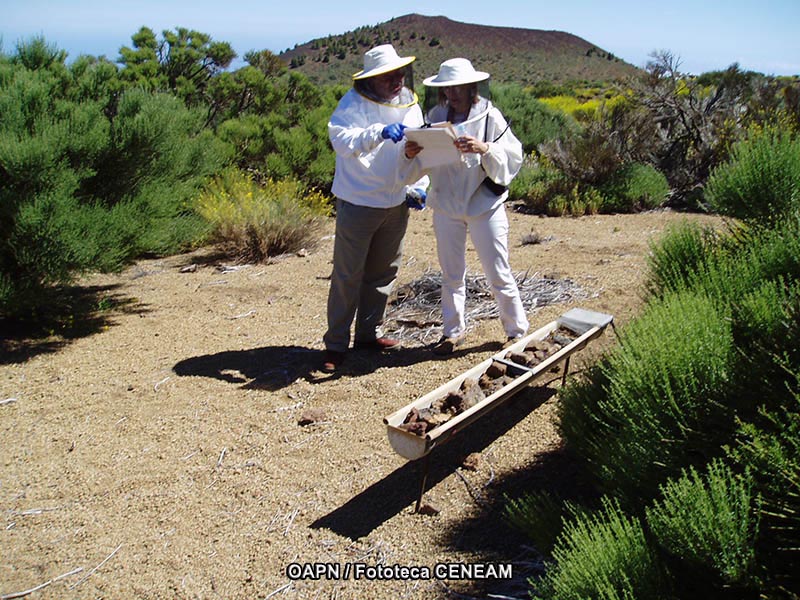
x: 434, y: 98
x: 364, y: 87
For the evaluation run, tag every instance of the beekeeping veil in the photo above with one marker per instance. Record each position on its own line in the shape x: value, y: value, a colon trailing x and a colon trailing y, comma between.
x: 379, y: 61
x: 456, y: 72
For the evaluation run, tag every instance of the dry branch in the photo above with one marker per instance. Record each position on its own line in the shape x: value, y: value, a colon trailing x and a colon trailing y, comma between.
x: 416, y: 312
x: 40, y: 586
x: 90, y: 573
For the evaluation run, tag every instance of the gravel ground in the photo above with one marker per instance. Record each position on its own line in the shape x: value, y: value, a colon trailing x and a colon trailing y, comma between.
x: 157, y: 452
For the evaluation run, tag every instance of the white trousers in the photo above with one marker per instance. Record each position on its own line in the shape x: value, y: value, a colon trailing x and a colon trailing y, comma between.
x: 489, y: 234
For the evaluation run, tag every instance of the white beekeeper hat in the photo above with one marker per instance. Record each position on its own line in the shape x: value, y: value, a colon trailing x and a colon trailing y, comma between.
x: 456, y: 71
x: 382, y: 59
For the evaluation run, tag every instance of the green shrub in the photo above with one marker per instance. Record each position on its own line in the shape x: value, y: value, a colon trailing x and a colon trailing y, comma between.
x: 770, y: 448
x: 558, y: 206
x: 709, y: 521
x: 156, y: 142
x: 633, y: 187
x: 532, y: 122
x: 539, y: 515
x: 85, y: 189
x: 743, y: 263
x: 760, y: 182
x: 604, y: 555
x: 537, y: 184
x: 253, y: 222
x: 593, y: 200
x: 656, y: 402
x: 678, y: 256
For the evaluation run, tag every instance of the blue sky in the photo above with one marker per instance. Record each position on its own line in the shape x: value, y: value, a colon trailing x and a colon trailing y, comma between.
x: 705, y: 34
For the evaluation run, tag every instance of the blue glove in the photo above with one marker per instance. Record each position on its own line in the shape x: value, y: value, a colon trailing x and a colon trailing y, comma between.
x: 393, y: 132
x: 415, y: 198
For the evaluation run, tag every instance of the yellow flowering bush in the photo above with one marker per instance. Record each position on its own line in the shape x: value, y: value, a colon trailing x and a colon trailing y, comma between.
x: 254, y: 220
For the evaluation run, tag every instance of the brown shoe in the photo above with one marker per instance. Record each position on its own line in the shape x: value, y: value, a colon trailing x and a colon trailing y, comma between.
x: 380, y: 344
x: 447, y: 345
x: 333, y: 360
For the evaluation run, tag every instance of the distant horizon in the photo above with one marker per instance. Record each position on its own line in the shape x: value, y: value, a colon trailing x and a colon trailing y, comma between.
x: 711, y: 40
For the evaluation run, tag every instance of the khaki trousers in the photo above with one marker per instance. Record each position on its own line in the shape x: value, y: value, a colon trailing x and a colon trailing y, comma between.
x: 367, y: 251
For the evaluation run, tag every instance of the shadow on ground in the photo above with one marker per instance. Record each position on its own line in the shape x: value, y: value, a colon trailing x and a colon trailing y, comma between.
x: 275, y: 367
x: 492, y: 539
x: 70, y: 313
x: 488, y: 536
x: 400, y: 489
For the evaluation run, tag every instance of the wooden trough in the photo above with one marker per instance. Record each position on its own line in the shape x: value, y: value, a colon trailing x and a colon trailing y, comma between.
x: 587, y: 325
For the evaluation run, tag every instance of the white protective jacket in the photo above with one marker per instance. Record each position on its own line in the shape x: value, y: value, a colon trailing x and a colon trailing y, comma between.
x: 457, y: 188
x: 372, y: 171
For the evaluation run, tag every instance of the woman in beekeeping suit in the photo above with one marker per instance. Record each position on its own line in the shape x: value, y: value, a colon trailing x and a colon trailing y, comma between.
x: 468, y: 195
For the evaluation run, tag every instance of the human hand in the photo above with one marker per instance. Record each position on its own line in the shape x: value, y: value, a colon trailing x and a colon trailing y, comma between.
x: 412, y: 149
x: 393, y: 132
x: 469, y: 144
x: 415, y: 198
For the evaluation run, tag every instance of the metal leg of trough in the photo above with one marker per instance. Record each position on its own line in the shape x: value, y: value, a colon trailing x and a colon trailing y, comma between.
x: 566, y: 370
x: 423, y: 480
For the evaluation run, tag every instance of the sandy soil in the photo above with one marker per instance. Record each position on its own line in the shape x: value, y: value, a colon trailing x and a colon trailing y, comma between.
x: 156, y: 451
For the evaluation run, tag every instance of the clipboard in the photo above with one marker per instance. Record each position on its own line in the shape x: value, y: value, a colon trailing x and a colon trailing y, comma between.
x: 437, y: 143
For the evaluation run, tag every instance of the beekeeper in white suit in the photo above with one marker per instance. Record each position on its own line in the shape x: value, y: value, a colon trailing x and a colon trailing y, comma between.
x: 468, y: 195
x: 371, y: 186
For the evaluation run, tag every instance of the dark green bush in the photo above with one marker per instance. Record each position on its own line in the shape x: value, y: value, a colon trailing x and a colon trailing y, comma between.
x: 85, y: 189
x: 742, y: 264
x: 634, y: 187
x: 539, y: 515
x: 770, y: 448
x: 537, y: 184
x: 650, y: 407
x: 761, y: 181
x: 603, y: 555
x: 532, y: 121
x: 677, y: 256
x: 710, y: 522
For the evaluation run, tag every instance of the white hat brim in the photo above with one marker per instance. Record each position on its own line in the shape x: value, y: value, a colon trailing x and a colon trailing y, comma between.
x: 403, y: 62
x: 474, y: 77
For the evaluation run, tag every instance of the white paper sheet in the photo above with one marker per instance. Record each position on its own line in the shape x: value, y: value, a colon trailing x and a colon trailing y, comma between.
x: 437, y: 143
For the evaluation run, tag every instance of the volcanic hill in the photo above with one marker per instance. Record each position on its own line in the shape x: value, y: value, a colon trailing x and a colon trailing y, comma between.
x: 510, y: 54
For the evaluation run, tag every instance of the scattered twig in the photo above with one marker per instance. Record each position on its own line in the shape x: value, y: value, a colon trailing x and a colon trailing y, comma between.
x: 7, y: 401
x: 231, y: 268
x: 491, y: 474
x: 34, y: 511
x: 40, y: 586
x: 472, y: 491
x: 210, y: 283
x: 243, y: 315
x: 291, y: 407
x: 221, y: 456
x: 278, y: 591
x: 415, y: 314
x: 291, y: 520
x: 90, y: 573
x: 156, y: 386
